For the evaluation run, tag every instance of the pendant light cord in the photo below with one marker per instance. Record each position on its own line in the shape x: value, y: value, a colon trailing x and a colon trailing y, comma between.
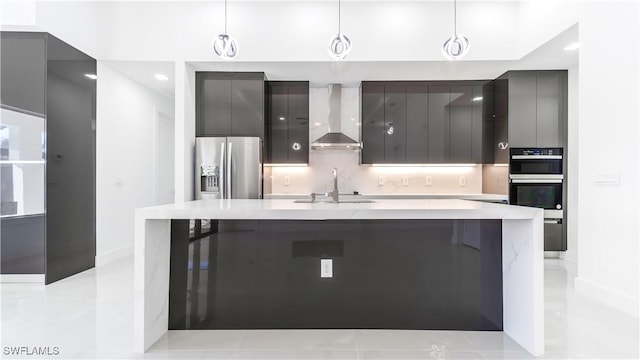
x: 225, y: 17
x: 455, y: 18
x: 339, y: 17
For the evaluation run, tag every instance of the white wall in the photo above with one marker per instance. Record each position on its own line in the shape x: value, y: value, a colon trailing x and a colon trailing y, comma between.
x: 608, y: 129
x: 126, y: 162
x: 573, y: 152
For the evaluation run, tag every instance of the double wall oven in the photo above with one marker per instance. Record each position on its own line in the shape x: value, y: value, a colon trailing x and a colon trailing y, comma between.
x: 536, y: 178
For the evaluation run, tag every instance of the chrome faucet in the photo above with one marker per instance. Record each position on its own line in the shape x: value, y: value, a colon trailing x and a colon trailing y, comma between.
x: 334, y: 194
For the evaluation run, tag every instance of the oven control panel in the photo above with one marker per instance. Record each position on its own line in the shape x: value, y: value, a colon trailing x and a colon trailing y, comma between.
x: 536, y: 151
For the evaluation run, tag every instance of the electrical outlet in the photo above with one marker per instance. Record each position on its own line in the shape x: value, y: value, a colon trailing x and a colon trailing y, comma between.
x: 463, y: 181
x: 405, y: 181
x: 381, y: 180
x: 326, y: 268
x: 287, y: 180
x: 428, y: 181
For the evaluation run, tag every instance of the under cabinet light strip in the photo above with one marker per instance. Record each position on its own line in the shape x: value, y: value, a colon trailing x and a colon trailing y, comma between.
x: 423, y: 165
x: 286, y: 165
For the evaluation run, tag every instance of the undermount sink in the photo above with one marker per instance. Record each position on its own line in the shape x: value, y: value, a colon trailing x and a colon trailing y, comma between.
x: 309, y: 201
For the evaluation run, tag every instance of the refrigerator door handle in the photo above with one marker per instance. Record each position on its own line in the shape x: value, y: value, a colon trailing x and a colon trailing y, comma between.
x: 229, y: 169
x: 221, y: 183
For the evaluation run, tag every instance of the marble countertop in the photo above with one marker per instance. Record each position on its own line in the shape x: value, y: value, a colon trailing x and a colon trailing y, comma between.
x: 287, y: 209
x: 481, y: 197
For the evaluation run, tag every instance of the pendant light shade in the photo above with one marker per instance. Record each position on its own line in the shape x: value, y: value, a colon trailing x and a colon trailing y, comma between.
x: 457, y: 46
x: 225, y: 46
x: 339, y: 44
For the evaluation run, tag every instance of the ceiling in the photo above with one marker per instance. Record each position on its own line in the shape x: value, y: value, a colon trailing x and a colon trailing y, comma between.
x: 549, y: 56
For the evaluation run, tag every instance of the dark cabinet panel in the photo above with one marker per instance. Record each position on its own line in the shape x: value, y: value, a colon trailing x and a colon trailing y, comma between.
x: 550, y: 86
x: 214, y: 94
x: 373, y: 123
x: 71, y: 161
x: 288, y: 122
x: 460, y: 124
x: 247, y: 105
x: 522, y: 110
x: 395, y: 123
x: 417, y: 111
x: 23, y: 71
x: 278, y: 128
x: 298, y: 144
x: 229, y: 104
x: 438, y: 124
x: 501, y: 141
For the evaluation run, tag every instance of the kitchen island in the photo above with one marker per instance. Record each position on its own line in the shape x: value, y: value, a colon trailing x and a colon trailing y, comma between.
x: 453, y: 246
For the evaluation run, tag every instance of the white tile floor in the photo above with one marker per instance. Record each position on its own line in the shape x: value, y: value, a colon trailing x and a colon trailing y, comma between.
x: 89, y: 316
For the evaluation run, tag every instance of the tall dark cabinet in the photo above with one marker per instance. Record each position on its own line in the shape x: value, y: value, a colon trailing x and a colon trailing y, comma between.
x: 45, y: 80
x: 531, y: 110
x: 230, y: 104
x: 427, y: 122
x: 287, y: 125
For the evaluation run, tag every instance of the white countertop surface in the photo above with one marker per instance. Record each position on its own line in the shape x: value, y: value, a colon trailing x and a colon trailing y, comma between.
x: 287, y: 209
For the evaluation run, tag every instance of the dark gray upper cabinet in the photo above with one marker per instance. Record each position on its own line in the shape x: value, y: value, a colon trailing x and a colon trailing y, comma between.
x: 438, y: 124
x: 501, y: 137
x: 23, y: 64
x: 535, y: 109
x: 373, y: 123
x: 230, y: 104
x: 417, y: 110
x: 551, y: 108
x: 522, y: 110
x: 461, y: 124
x: 287, y: 137
x: 417, y: 122
x: 395, y: 123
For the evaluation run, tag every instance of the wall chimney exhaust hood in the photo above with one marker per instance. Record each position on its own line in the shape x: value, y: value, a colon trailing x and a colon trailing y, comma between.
x: 335, y: 139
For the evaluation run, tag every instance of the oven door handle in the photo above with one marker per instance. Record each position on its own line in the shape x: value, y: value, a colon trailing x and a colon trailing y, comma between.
x: 536, y: 157
x: 536, y: 181
x: 556, y: 222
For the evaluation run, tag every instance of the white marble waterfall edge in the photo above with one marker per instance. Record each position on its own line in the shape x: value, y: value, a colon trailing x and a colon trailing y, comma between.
x: 522, y: 257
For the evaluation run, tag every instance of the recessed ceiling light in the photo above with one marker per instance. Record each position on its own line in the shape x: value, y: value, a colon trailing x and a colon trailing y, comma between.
x: 91, y: 76
x: 161, y: 77
x: 281, y: 118
x: 477, y: 98
x: 572, y: 46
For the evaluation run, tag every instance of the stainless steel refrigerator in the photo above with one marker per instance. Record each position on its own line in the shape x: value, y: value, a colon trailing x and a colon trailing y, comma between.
x: 228, y: 168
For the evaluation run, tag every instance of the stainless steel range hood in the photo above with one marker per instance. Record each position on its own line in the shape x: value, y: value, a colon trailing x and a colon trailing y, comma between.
x: 335, y: 139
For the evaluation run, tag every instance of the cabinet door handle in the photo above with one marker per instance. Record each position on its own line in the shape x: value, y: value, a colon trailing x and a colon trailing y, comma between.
x: 503, y: 145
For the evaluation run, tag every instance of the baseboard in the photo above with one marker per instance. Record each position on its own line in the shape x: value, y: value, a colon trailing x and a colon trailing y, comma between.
x: 569, y: 255
x: 607, y: 296
x: 113, y: 255
x: 22, y: 278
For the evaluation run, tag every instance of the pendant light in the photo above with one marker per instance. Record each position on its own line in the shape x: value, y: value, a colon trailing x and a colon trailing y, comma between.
x: 456, y: 46
x: 225, y: 46
x: 339, y: 44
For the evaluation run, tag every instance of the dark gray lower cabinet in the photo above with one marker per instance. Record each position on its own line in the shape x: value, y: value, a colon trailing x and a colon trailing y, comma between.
x: 386, y: 274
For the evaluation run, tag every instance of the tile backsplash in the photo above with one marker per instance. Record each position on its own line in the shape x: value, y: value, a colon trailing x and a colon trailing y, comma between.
x: 365, y: 179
